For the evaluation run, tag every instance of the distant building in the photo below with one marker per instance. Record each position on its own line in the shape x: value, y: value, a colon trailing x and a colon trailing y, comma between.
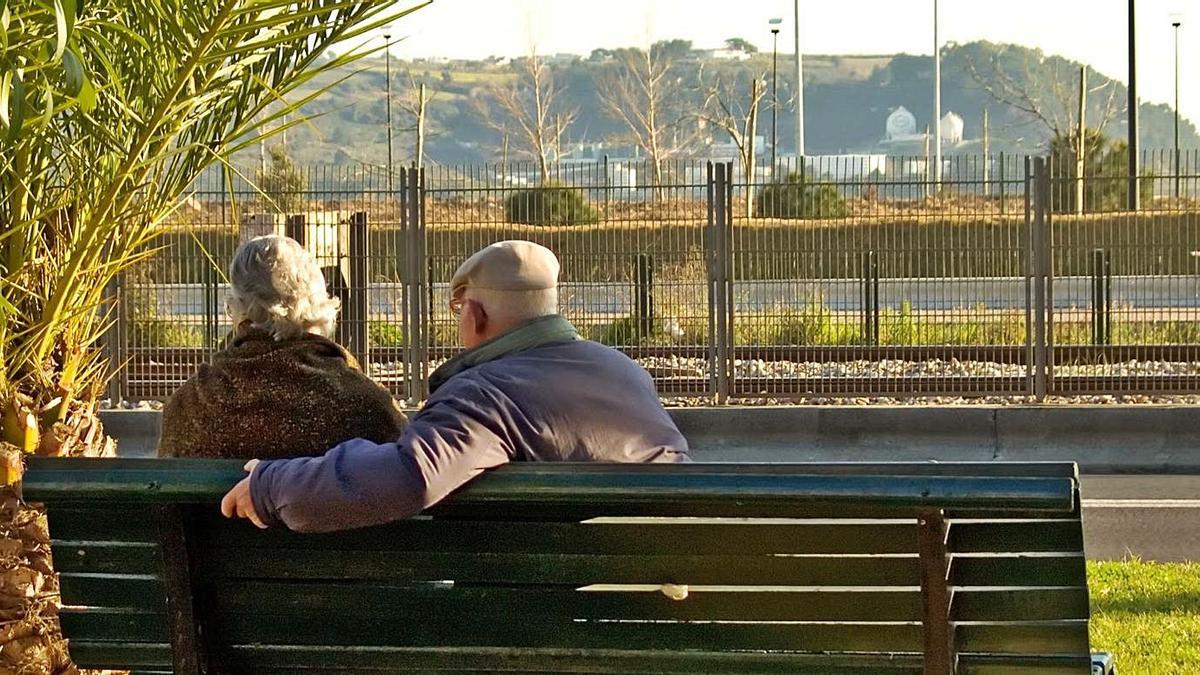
x: 951, y: 128
x: 854, y: 165
x: 901, y: 125
x: 722, y: 54
x: 901, y: 135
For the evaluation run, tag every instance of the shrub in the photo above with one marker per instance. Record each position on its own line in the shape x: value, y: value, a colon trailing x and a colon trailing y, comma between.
x: 622, y: 332
x: 1106, y: 174
x: 549, y: 205
x: 385, y: 335
x: 800, y: 198
x: 162, y: 333
x: 814, y: 324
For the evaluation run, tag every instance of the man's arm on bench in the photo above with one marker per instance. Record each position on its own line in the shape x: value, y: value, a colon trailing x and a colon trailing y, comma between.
x: 361, y: 483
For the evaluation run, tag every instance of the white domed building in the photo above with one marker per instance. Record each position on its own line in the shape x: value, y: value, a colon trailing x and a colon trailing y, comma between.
x: 901, y: 125
x: 951, y: 129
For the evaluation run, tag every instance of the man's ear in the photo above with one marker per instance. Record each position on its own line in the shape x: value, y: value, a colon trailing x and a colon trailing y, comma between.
x: 479, y: 317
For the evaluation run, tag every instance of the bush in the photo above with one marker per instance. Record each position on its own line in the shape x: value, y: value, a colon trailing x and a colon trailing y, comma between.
x: 1106, y: 175
x: 814, y: 324
x: 622, y: 332
x: 549, y: 205
x: 162, y: 333
x: 800, y: 198
x: 385, y: 335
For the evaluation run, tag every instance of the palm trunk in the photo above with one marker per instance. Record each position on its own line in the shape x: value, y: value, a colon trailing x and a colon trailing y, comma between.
x: 31, y: 641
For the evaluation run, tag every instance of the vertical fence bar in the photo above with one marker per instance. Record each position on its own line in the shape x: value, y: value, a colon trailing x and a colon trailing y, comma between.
x: 711, y: 274
x: 211, y: 316
x: 719, y: 206
x: 1040, y: 263
x: 644, y: 291
x: 354, y: 315
x: 295, y: 227
x: 1027, y: 269
x: 115, y: 340
x: 424, y: 308
x: 1004, y: 183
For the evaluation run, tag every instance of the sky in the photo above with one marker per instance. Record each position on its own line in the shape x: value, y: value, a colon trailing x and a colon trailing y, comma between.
x: 480, y: 28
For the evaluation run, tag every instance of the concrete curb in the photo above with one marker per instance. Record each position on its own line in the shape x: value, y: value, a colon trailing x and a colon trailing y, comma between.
x: 1102, y: 439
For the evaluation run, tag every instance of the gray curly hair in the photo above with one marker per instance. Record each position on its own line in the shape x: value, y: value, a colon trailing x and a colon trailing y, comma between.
x: 277, y: 286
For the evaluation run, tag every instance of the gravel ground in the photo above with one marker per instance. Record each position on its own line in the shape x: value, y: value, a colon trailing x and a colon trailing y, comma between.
x: 666, y: 369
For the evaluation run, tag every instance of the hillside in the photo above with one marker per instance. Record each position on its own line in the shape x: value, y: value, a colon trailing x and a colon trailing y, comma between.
x: 847, y: 100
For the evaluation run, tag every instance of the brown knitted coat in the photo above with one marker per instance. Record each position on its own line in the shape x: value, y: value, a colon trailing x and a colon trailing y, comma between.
x: 266, y: 399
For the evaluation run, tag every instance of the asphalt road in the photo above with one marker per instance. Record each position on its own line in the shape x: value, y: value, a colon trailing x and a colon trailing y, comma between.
x: 1152, y: 517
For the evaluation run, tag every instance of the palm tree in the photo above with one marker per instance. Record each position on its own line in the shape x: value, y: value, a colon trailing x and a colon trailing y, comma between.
x: 108, y: 112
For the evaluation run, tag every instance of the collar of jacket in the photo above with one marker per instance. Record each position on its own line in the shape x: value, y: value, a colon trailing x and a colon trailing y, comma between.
x: 539, y: 332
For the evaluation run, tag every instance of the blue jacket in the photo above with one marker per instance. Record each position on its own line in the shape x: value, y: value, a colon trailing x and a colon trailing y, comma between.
x: 576, y: 401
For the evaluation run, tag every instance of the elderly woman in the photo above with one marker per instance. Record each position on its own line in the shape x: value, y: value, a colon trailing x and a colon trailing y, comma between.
x: 281, y: 388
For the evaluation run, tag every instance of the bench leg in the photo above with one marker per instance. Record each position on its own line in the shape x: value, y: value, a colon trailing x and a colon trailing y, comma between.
x: 1103, y: 664
x: 940, y: 654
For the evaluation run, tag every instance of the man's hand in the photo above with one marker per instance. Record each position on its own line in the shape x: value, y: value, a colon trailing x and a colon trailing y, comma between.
x: 237, y: 502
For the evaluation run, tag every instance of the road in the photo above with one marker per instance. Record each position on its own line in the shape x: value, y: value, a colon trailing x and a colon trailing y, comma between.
x: 1176, y: 295
x: 1152, y: 517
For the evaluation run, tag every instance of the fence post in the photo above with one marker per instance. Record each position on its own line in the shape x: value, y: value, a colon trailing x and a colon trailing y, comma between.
x: 355, y: 314
x: 1101, y: 297
x: 870, y: 298
x: 115, y: 340
x: 607, y: 191
x: 210, y: 307
x: 1003, y: 188
x: 644, y: 295
x: 406, y: 290
x: 294, y: 227
x: 719, y: 283
x: 1040, y: 270
x: 422, y: 306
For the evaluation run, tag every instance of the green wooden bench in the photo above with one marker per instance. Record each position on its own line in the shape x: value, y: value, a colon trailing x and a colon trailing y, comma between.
x: 796, y: 568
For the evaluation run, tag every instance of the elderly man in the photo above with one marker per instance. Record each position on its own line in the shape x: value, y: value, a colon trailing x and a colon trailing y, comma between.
x: 527, y: 389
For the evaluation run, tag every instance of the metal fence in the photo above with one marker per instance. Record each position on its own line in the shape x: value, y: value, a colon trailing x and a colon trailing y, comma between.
x: 1009, y: 276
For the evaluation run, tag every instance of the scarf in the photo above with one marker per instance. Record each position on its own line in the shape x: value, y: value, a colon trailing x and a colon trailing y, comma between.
x: 542, y: 331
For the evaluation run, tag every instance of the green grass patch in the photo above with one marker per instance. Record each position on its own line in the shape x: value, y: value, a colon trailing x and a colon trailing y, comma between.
x: 1147, y: 615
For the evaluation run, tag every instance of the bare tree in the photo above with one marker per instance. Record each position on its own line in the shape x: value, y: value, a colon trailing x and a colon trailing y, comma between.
x: 645, y: 94
x: 414, y: 104
x: 730, y: 107
x: 1053, y: 105
x: 529, y: 111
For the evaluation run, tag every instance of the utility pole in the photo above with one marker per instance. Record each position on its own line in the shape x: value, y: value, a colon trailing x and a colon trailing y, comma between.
x: 1175, y: 24
x: 1132, y: 104
x: 387, y: 56
x: 987, y: 159
x: 799, y: 90
x: 937, y: 101
x: 421, y: 101
x: 926, y: 182
x: 775, y: 96
x: 1080, y: 141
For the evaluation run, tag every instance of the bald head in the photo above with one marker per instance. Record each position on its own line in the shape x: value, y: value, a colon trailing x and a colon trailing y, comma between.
x: 503, y: 286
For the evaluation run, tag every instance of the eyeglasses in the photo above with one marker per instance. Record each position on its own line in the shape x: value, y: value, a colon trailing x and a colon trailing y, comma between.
x: 456, y: 306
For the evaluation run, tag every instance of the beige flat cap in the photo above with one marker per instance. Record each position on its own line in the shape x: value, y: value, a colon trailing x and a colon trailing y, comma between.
x: 514, y: 265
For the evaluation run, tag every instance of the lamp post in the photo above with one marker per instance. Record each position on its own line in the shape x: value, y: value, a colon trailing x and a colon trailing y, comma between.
x: 799, y: 66
x: 387, y: 57
x: 1175, y: 24
x: 1133, y: 197
x: 774, y: 23
x: 937, y: 102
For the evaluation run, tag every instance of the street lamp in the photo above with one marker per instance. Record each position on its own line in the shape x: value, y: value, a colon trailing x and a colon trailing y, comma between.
x: 774, y: 23
x: 1175, y: 24
x: 387, y: 57
x: 937, y: 101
